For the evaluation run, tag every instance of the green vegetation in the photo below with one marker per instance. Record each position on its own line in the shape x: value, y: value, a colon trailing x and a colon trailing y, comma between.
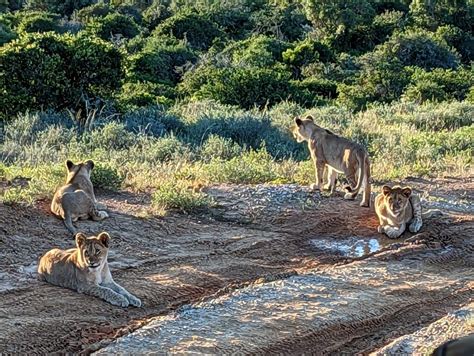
x: 166, y: 94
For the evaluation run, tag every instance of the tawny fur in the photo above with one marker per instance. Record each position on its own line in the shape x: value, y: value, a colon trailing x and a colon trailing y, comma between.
x: 338, y: 155
x: 85, y: 269
x: 396, y: 207
x: 76, y: 199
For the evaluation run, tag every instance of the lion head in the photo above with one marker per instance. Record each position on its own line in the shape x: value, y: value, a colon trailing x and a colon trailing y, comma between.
x: 80, y: 169
x: 396, y: 198
x: 93, y: 250
x: 303, y: 128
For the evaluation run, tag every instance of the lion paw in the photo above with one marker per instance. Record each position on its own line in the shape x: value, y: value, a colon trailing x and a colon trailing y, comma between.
x: 349, y: 196
x: 120, y: 301
x: 314, y: 187
x: 415, y: 226
x: 134, y: 301
x: 380, y: 229
x: 103, y: 214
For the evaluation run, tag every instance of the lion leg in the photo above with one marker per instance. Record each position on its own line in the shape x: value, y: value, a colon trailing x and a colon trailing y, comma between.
x: 350, y: 188
x: 319, y: 171
x: 134, y: 301
x: 416, y: 222
x: 331, y: 184
x: 106, y: 294
x: 68, y: 223
x: 98, y: 215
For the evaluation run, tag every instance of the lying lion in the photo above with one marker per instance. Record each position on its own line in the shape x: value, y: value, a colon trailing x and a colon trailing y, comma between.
x: 76, y: 200
x: 85, y: 269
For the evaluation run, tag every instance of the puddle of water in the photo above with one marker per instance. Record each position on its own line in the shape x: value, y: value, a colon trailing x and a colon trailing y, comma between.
x: 351, y: 247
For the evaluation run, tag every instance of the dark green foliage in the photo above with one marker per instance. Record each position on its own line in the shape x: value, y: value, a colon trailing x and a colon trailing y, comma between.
x: 38, y: 22
x: 114, y: 24
x: 63, y: 7
x: 439, y: 85
x: 6, y: 33
x: 94, y: 11
x: 52, y: 71
x: 285, y: 22
x: 198, y: 30
x: 106, y: 177
x: 247, y: 87
x: 311, y: 91
x: 260, y: 51
x: 422, y: 49
x: 140, y: 94
x: 462, y: 41
x: 159, y: 61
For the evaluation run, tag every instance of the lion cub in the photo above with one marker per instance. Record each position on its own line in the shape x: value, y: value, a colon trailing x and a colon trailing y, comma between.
x: 85, y: 269
x: 76, y: 200
x: 396, y: 207
x: 339, y: 155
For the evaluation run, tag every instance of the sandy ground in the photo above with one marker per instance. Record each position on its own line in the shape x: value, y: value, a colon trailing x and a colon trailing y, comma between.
x: 255, y: 274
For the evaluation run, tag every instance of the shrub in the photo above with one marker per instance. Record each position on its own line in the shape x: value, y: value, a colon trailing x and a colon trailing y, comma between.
x: 421, y: 49
x: 38, y: 22
x: 91, y: 12
x: 462, y: 41
x: 219, y: 147
x: 286, y: 22
x: 159, y: 62
x: 178, y: 196
x: 165, y: 149
x: 258, y: 51
x: 246, y: 87
x: 155, y: 14
x: 311, y: 91
x: 198, y: 30
x: 112, y: 136
x: 306, y: 52
x: 235, y: 21
x: 6, y: 34
x: 63, y: 7
x: 135, y: 95
x: 106, y: 177
x: 63, y: 67
x: 114, y: 24
x: 439, y: 85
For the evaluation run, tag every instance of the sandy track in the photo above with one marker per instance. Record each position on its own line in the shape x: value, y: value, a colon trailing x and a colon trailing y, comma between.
x: 179, y: 260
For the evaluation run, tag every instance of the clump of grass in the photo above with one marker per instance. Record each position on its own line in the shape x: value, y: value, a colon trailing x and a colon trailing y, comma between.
x: 106, y: 177
x: 179, y: 196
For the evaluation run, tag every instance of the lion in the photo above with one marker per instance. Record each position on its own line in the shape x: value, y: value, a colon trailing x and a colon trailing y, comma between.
x: 339, y: 155
x: 396, y: 207
x: 85, y: 269
x: 76, y: 199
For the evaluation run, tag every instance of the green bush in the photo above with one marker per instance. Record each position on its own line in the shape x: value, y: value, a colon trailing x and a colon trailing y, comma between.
x: 112, y: 136
x: 155, y: 14
x: 246, y: 87
x: 197, y: 29
x: 38, y: 22
x: 139, y: 94
x: 6, y: 34
x: 158, y: 62
x: 439, y: 85
x: 165, y: 149
x: 462, y: 41
x: 422, y: 49
x: 285, y: 21
x: 43, y: 71
x: 258, y: 51
x: 309, y: 92
x: 114, y: 24
x: 63, y: 7
x: 217, y: 147
x: 306, y: 52
x: 178, y: 196
x: 91, y: 12
x: 234, y: 21
x: 106, y: 177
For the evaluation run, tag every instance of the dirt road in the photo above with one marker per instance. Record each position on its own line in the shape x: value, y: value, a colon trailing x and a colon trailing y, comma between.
x: 251, y: 244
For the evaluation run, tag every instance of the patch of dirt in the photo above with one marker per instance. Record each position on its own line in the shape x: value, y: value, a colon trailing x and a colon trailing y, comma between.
x: 253, y: 236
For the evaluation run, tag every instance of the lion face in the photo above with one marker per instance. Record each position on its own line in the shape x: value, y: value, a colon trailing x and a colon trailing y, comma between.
x: 81, y: 168
x: 303, y: 128
x: 93, y: 250
x: 396, y: 198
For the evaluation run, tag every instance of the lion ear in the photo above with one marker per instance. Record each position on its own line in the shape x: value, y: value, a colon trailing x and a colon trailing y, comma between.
x: 69, y: 164
x: 80, y: 239
x: 310, y: 117
x: 406, y: 191
x: 298, y: 121
x: 90, y: 164
x: 104, y: 238
x: 386, y: 190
